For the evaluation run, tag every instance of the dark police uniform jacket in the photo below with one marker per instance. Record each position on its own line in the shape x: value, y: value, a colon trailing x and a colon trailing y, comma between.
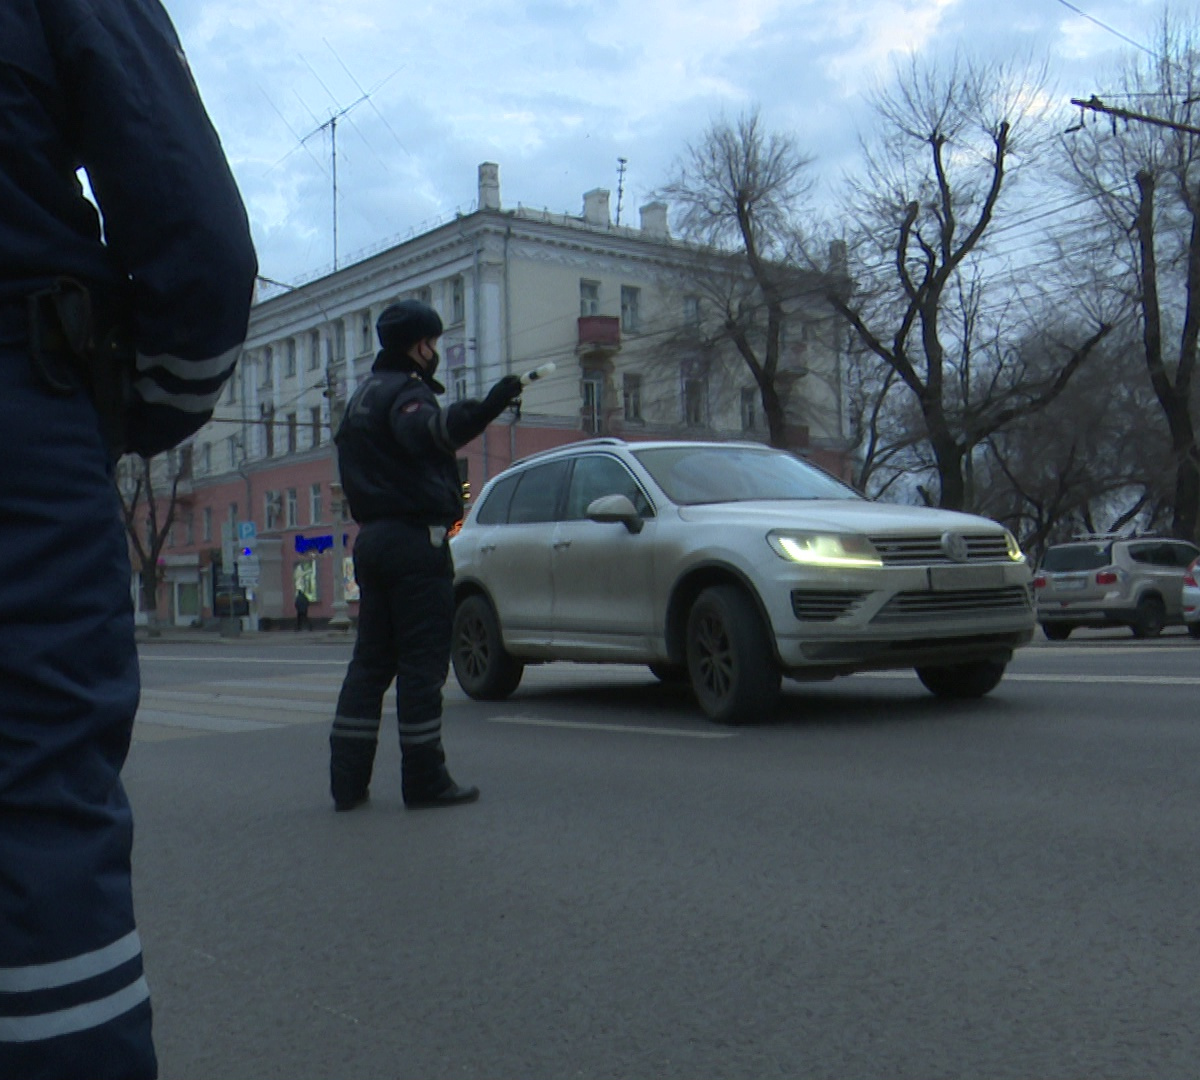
x: 396, y: 449
x: 103, y: 84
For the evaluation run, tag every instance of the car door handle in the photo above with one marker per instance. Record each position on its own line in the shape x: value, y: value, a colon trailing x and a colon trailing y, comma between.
x: 560, y: 544
x: 484, y: 548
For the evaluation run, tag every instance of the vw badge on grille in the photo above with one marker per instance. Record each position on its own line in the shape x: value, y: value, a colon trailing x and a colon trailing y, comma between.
x: 955, y: 547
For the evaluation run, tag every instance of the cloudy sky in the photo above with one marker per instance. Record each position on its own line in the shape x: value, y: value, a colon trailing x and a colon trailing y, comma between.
x: 555, y: 91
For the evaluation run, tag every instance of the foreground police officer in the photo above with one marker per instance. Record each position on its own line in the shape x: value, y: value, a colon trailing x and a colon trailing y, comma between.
x: 112, y: 344
x: 396, y: 450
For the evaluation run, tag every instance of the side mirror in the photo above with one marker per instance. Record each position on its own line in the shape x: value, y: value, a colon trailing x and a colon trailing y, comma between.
x: 612, y: 508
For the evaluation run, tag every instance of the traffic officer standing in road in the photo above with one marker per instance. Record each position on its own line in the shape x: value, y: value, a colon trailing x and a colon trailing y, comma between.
x: 114, y: 338
x: 396, y: 450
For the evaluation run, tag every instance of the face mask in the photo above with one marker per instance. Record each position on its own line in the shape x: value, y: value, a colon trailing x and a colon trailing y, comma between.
x: 431, y: 362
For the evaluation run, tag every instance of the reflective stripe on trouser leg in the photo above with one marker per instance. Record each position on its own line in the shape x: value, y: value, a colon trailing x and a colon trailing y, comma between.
x: 352, y: 744
x: 73, y: 998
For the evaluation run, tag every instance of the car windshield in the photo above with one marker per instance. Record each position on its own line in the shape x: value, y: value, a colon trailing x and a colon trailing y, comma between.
x: 1077, y: 557
x: 694, y: 475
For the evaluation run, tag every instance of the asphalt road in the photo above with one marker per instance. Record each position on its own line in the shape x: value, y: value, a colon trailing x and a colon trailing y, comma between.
x: 875, y: 884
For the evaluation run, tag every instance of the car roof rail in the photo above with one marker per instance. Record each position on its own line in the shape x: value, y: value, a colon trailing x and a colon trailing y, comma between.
x: 603, y: 440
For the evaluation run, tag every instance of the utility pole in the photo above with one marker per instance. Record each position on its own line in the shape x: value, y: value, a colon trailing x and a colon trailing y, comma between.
x: 341, y: 616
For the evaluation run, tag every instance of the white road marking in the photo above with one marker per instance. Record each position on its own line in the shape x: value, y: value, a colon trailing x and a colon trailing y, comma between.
x: 629, y: 729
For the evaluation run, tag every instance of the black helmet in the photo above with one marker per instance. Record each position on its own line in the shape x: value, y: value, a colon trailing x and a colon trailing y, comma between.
x: 404, y: 324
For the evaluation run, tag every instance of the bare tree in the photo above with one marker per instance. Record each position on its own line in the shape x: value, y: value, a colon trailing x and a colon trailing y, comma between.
x: 740, y: 191
x: 150, y: 514
x: 929, y: 303
x: 1144, y: 179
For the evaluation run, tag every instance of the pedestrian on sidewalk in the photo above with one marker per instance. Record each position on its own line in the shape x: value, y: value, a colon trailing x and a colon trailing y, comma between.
x: 118, y: 331
x: 302, y: 619
x: 397, y: 455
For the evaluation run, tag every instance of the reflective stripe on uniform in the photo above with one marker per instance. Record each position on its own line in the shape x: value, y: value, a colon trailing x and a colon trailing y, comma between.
x: 37, y: 978
x: 416, y: 734
x: 350, y: 727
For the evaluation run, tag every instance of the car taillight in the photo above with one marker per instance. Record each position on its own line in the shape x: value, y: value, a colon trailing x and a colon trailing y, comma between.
x: 1189, y: 578
x: 1106, y: 577
x: 1039, y: 582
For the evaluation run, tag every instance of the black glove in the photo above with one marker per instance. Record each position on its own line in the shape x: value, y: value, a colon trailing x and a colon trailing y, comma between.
x: 500, y: 396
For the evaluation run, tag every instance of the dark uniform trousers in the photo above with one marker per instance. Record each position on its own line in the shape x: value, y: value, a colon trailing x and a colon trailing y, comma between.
x: 406, y: 609
x: 74, y: 1004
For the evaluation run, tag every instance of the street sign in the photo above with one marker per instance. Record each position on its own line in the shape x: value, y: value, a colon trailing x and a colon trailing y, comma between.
x: 247, y: 531
x: 249, y: 570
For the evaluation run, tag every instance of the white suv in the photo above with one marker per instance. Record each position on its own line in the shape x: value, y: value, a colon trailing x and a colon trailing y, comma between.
x: 727, y: 565
x: 1134, y: 581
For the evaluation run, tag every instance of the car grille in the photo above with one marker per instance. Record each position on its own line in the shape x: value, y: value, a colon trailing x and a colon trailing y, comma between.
x: 822, y: 605
x: 923, y: 550
x: 907, y: 606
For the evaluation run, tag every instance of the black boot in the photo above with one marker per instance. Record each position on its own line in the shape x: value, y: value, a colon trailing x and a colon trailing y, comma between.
x: 426, y: 782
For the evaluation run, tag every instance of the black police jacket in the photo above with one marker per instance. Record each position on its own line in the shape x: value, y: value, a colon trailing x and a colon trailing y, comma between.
x: 105, y: 86
x: 396, y: 456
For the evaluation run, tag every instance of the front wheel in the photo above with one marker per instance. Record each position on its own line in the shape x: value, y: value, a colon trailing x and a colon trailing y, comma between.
x: 1193, y: 629
x: 730, y: 658
x: 482, y: 665
x: 1149, y: 618
x: 669, y: 673
x: 1056, y: 631
x: 972, y: 680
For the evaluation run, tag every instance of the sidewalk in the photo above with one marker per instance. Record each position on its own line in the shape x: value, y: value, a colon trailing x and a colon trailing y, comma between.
x: 178, y: 635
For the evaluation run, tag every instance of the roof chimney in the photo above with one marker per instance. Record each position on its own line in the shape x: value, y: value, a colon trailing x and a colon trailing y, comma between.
x: 595, y: 207
x: 654, y: 220
x: 489, y: 186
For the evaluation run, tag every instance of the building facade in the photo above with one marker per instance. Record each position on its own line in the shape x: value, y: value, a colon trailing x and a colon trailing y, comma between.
x: 620, y: 311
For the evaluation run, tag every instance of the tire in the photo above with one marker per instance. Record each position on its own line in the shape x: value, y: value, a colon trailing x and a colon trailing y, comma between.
x: 1149, y: 618
x: 1056, y: 631
x: 482, y: 667
x: 961, y: 681
x: 672, y: 674
x: 1193, y: 629
x: 730, y: 657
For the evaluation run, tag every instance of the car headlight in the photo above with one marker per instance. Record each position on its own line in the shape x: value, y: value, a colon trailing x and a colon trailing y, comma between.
x: 1014, y: 549
x: 825, y: 549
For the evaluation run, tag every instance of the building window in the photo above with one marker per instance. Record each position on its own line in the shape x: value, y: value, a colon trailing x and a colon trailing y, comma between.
x: 271, y: 509
x: 292, y: 432
x: 171, y: 536
x: 458, y: 307
x: 289, y: 363
x: 235, y: 448
x: 268, y: 426
x: 189, y: 530
x: 337, y: 342
x: 695, y: 402
x: 205, y: 458
x: 589, y: 298
x: 314, y: 504
x: 233, y: 511
x: 593, y: 402
x: 315, y: 419
x: 425, y: 294
x: 206, y: 524
x: 314, y: 350
x: 460, y: 384
x: 364, y: 333
x: 231, y: 387
x: 290, y: 505
x: 750, y: 403
x: 691, y: 312
x: 268, y: 362
x: 630, y: 303
x: 631, y: 386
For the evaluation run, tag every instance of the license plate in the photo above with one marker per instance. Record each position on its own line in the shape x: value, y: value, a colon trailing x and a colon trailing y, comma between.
x: 954, y: 578
x: 1070, y: 584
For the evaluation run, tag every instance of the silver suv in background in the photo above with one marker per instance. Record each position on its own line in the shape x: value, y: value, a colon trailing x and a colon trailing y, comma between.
x: 726, y: 566
x: 1100, y: 581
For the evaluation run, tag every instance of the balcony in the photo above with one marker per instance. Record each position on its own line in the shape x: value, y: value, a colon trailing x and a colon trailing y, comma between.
x: 599, y: 333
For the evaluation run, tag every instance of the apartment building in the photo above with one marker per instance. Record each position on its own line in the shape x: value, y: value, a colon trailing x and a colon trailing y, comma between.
x: 620, y: 310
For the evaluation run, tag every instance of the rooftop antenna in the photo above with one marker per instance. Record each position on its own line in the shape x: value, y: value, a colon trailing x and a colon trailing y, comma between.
x: 621, y: 163
x: 331, y: 124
